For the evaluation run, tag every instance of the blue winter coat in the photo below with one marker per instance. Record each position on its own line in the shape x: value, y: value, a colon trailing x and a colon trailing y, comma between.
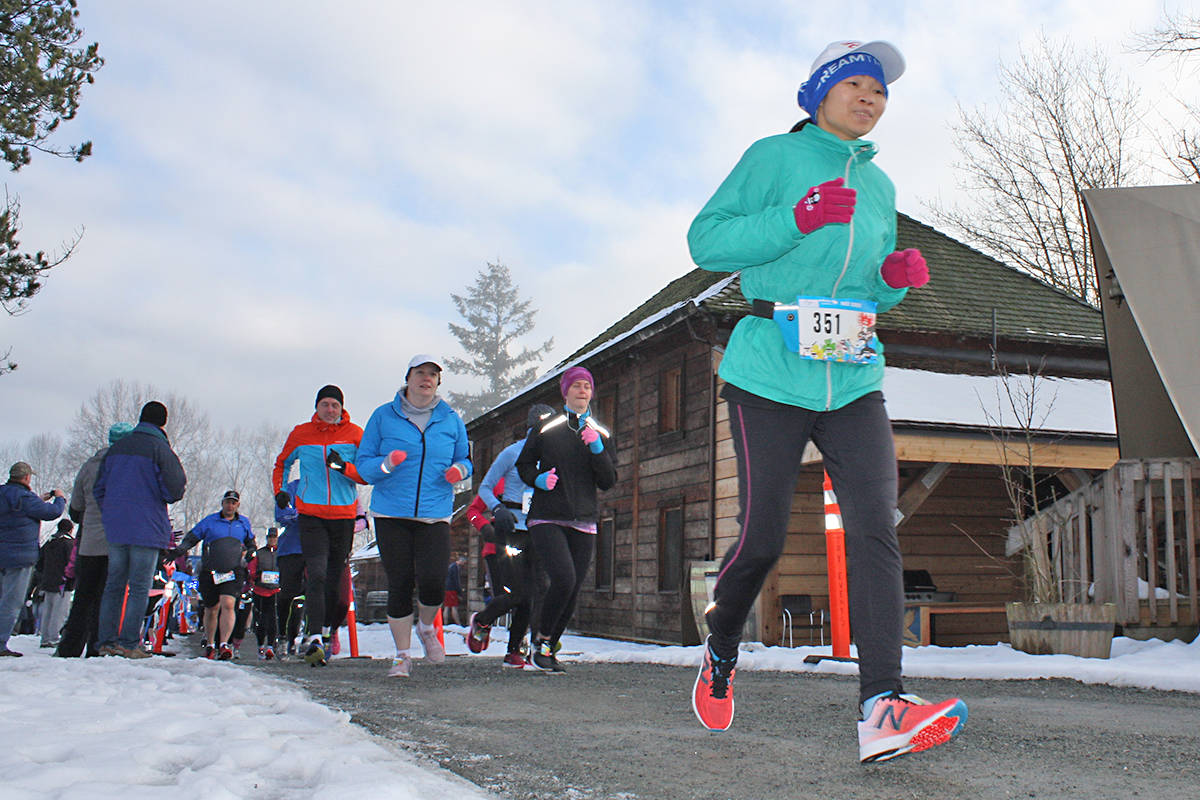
x: 139, y: 476
x: 21, y: 515
x: 417, y: 488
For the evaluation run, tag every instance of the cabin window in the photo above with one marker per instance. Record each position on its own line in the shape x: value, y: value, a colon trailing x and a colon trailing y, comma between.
x: 605, y: 551
x: 670, y: 400
x: 670, y: 548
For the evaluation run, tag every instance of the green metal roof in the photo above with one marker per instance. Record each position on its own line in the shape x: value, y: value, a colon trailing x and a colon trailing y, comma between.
x: 965, y: 287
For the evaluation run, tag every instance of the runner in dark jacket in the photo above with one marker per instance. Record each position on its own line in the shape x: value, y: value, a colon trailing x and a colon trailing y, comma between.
x: 566, y: 460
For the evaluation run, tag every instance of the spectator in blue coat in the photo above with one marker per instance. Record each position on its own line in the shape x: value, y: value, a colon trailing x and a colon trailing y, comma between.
x: 21, y: 515
x: 139, y: 476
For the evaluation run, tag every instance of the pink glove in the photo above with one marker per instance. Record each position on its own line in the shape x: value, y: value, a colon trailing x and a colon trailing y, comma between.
x: 828, y: 202
x: 905, y: 268
x: 547, y: 480
x: 455, y: 474
x: 393, y: 460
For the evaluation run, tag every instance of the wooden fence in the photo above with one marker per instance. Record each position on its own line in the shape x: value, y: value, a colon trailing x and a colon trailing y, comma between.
x: 1128, y: 538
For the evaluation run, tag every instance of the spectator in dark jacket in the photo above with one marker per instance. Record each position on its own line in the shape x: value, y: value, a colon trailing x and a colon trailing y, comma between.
x: 139, y: 476
x: 53, y: 559
x: 91, y: 559
x: 21, y: 515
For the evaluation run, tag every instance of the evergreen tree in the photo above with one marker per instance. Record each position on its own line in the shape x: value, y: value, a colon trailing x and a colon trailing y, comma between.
x: 42, y: 70
x: 495, y: 318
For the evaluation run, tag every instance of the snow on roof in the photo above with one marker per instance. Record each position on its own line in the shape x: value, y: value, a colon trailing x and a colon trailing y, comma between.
x: 1059, y: 404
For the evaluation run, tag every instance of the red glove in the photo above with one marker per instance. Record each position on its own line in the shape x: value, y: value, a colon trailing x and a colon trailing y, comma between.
x: 905, y: 268
x: 393, y: 460
x: 828, y: 202
x: 455, y: 474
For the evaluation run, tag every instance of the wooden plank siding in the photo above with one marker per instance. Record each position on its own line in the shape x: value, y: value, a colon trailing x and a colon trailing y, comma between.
x: 957, y: 533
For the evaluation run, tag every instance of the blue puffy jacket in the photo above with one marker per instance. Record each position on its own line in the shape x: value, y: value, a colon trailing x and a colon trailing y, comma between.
x: 139, y: 476
x: 21, y: 515
x: 289, y: 518
x: 417, y: 488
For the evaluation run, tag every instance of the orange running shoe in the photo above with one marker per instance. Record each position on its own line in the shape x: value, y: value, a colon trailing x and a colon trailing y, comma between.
x: 895, y: 724
x: 712, y: 694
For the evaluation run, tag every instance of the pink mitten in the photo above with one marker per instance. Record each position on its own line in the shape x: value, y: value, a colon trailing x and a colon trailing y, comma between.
x: 393, y: 460
x: 828, y: 202
x: 905, y: 268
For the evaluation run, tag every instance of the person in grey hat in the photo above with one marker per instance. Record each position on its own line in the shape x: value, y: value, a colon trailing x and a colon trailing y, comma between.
x: 21, y: 516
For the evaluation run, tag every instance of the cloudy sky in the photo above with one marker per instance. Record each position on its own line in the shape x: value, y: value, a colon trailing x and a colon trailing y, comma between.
x: 284, y: 195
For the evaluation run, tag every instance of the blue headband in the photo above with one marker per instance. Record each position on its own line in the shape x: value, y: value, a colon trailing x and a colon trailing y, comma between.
x: 813, y: 90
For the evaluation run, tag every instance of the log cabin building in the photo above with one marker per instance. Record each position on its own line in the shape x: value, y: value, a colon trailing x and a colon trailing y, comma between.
x: 947, y: 347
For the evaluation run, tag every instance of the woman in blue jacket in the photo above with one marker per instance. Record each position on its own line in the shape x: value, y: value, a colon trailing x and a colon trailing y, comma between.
x: 413, y: 450
x: 810, y: 222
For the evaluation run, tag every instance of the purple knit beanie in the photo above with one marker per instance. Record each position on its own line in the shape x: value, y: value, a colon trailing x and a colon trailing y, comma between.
x: 573, y: 374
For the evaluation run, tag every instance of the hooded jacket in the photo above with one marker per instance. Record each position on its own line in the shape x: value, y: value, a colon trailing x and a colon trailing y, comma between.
x: 749, y: 225
x: 84, y: 509
x: 322, y: 492
x: 138, y: 477
x: 21, y: 516
x: 53, y: 560
x: 417, y: 487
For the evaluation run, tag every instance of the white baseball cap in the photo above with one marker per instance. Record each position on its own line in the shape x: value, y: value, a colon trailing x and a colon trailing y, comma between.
x: 423, y: 358
x: 889, y: 57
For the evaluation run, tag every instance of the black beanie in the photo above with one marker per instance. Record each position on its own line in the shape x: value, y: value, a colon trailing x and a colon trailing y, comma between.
x: 330, y: 391
x: 155, y: 413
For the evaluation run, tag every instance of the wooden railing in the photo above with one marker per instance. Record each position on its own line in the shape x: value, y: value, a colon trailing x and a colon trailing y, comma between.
x: 1128, y: 538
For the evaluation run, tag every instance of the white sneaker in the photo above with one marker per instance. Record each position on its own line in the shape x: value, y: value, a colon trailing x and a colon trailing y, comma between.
x: 434, y: 651
x: 401, y: 667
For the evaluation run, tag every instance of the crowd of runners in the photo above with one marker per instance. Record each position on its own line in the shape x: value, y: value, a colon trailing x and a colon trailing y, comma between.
x: 810, y: 223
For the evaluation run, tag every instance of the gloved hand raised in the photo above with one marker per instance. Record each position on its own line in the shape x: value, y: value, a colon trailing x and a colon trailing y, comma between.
x: 827, y: 202
x: 905, y: 268
x: 547, y: 480
x: 393, y: 460
x: 456, y: 473
x: 592, y: 439
x: 504, y: 520
x: 282, y: 499
x: 334, y: 460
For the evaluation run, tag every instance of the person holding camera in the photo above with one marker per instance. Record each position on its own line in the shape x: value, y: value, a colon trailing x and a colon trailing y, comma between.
x: 21, y: 515
x: 327, y: 496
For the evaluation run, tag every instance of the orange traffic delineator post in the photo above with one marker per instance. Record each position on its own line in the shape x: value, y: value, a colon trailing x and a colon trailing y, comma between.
x: 438, y: 629
x: 839, y: 598
x: 352, y: 623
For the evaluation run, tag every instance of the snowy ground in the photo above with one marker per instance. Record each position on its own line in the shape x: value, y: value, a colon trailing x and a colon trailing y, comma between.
x: 111, y: 728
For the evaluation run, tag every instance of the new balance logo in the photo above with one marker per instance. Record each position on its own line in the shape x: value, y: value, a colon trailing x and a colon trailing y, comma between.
x: 889, y: 714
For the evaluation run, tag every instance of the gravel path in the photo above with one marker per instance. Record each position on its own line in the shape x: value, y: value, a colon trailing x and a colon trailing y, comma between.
x: 627, y: 731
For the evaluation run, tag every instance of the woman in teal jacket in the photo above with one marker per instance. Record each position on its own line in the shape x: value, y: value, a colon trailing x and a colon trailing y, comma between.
x: 413, y: 450
x: 810, y: 222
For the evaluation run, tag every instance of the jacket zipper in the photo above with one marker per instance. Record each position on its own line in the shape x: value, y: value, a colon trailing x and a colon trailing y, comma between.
x: 420, y: 469
x: 838, y: 282
x: 328, y: 481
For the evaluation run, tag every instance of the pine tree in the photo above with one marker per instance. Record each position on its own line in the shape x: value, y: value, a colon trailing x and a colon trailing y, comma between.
x: 495, y: 318
x: 42, y: 71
